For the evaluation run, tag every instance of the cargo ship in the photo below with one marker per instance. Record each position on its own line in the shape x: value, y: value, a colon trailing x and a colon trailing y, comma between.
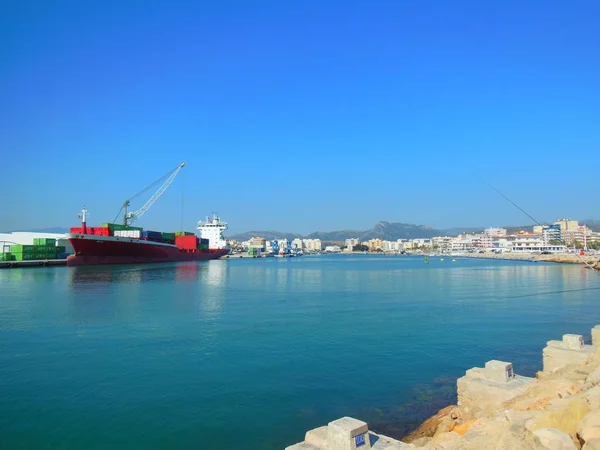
x: 114, y: 243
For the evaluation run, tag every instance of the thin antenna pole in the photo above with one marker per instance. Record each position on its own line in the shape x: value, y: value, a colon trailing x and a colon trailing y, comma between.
x: 520, y: 209
x: 181, y: 227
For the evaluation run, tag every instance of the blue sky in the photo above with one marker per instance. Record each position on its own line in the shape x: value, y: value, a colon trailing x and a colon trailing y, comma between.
x: 300, y: 116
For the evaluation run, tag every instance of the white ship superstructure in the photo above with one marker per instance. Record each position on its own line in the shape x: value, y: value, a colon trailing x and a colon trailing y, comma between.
x: 212, y: 230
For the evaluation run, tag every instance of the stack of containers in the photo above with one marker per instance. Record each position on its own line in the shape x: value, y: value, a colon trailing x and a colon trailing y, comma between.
x: 203, y: 244
x: 101, y: 231
x: 23, y: 252
x: 151, y: 235
x: 186, y: 242
x: 112, y: 227
x: 183, y: 233
x: 46, y: 248
x: 7, y: 256
x: 136, y: 234
x: 168, y: 237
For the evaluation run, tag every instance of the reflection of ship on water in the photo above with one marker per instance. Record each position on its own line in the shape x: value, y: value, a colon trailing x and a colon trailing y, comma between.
x: 189, y: 272
x: 212, y: 297
x: 131, y: 274
x: 216, y: 273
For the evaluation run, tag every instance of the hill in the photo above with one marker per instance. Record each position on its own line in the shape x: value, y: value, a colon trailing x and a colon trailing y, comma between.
x: 387, y: 231
x: 381, y: 230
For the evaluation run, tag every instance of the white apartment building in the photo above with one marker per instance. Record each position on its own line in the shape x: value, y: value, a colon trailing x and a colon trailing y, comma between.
x: 299, y: 243
x: 422, y: 242
x: 535, y: 245
x: 483, y: 241
x: 350, y: 243
x: 495, y: 232
x: 443, y: 243
x: 461, y: 245
x: 392, y: 246
x: 567, y: 225
x: 581, y: 234
x: 312, y: 245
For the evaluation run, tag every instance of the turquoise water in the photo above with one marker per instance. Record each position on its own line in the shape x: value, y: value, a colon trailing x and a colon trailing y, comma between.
x: 251, y: 353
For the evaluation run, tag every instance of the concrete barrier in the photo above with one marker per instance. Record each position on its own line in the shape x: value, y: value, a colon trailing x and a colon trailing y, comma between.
x: 346, y: 434
x: 483, y: 390
x: 571, y: 350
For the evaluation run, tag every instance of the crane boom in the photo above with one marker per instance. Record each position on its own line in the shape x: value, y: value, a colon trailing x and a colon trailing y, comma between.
x: 130, y: 217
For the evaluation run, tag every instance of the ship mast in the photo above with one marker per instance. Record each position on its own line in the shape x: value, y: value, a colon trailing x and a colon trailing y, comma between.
x: 83, y: 217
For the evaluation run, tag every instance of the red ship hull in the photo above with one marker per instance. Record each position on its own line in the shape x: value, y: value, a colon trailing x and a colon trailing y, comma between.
x: 95, y: 250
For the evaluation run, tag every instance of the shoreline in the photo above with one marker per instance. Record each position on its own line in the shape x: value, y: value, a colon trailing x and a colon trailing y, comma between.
x: 554, y: 258
x: 592, y: 260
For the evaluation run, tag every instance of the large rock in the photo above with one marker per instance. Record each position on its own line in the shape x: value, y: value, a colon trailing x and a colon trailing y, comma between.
x: 563, y: 414
x: 594, y: 444
x: 554, y: 439
x: 498, y: 433
x: 431, y: 425
x: 589, y: 427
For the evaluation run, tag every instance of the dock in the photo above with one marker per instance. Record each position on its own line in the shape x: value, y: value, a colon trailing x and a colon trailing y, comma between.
x: 32, y: 263
x: 262, y: 255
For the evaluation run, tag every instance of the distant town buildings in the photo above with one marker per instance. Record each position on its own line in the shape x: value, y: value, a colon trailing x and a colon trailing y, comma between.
x: 553, y: 238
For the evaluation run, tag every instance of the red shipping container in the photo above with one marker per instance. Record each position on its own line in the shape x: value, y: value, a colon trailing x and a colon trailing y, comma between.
x: 76, y: 230
x: 99, y: 231
x: 186, y: 242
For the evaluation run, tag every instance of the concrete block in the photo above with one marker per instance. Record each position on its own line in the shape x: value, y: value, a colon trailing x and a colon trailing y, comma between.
x: 573, y: 341
x: 571, y: 350
x: 500, y: 371
x: 302, y: 446
x: 596, y: 335
x: 348, y: 434
x: 484, y: 390
x: 317, y: 437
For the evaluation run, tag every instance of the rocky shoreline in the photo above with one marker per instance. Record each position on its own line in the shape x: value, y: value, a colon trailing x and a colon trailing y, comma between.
x: 556, y: 258
x: 558, y: 409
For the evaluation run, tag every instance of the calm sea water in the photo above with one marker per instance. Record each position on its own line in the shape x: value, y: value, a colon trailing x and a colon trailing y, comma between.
x: 251, y: 353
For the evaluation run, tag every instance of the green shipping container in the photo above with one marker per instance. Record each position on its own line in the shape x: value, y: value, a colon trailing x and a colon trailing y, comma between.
x: 183, y: 233
x: 7, y: 257
x: 168, y: 236
x: 24, y: 256
x: 22, y: 248
x: 119, y: 227
x: 44, y: 241
x: 60, y: 249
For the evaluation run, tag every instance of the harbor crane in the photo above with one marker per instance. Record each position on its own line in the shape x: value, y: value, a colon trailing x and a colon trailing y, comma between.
x: 130, y: 217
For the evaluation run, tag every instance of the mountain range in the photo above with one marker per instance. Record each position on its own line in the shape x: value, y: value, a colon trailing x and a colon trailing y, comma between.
x: 382, y: 230
x: 388, y: 231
